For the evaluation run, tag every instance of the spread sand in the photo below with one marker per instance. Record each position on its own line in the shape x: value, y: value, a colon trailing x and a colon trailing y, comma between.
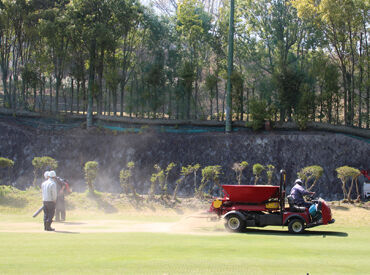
x: 194, y: 224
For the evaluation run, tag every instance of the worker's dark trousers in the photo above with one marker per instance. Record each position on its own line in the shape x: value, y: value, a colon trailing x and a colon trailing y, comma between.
x: 49, y: 210
x: 60, y: 214
x: 60, y: 209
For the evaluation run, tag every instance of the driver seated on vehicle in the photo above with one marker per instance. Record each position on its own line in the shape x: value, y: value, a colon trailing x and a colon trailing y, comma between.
x: 298, y: 192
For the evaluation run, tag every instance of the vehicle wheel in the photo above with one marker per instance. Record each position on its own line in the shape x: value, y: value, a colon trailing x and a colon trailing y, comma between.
x: 235, y: 223
x: 296, y: 226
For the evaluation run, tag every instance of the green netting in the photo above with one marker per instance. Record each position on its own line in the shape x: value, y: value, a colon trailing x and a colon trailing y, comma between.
x: 359, y: 138
x: 44, y: 123
x: 164, y: 129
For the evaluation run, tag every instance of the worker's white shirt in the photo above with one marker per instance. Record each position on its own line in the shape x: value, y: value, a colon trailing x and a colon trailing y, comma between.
x: 49, y: 190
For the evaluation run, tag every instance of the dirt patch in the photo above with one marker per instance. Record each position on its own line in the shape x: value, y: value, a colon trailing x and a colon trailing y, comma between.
x: 187, y: 225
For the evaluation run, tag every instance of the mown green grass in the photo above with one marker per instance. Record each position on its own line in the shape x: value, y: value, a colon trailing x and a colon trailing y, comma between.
x: 343, y: 251
x: 341, y: 248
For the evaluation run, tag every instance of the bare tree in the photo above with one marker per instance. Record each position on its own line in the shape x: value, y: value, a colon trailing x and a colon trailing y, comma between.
x: 168, y: 7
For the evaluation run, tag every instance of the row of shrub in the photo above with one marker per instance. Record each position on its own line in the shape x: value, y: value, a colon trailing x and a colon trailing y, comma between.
x: 210, y: 180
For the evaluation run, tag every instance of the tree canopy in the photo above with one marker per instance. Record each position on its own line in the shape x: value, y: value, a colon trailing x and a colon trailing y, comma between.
x: 295, y: 60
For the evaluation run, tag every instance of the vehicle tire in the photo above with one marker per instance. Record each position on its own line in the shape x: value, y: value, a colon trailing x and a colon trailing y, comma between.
x: 234, y: 223
x: 296, y: 226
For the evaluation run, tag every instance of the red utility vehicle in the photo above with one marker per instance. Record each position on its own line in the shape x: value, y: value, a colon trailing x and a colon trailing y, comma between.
x: 261, y: 205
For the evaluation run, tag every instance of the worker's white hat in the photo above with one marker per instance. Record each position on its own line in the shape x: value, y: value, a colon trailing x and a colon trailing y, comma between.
x: 46, y: 174
x: 52, y: 174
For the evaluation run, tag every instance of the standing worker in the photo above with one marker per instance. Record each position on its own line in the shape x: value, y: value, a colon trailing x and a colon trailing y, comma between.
x: 49, y: 197
x: 60, y: 209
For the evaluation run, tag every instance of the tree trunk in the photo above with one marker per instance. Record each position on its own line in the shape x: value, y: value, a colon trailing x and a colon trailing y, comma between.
x: 10, y: 91
x: 122, y: 96
x: 344, y: 76
x: 188, y: 88
x: 211, y: 105
x: 178, y: 182
x: 57, y: 87
x: 177, y: 98
x: 217, y: 108
x: 352, y: 91
x: 109, y: 101
x: 42, y: 94
x: 6, y: 102
x: 223, y: 104
x: 114, y: 99
x: 199, y: 191
x: 91, y: 187
x: 72, y: 94
x: 78, y: 96
x: 321, y: 104
x: 360, y: 86
x: 368, y: 80
x: 368, y: 108
x: 247, y: 104
x: 15, y: 80
x: 24, y: 96
x: 164, y: 89
x: 170, y: 102
x: 313, y: 184
x: 357, y: 189
x: 51, y: 93
x: 195, y: 179
x: 23, y: 103
x: 106, y: 98
x: 196, y: 94
x: 34, y: 98
x: 137, y: 97
x: 241, y: 103
x: 344, y: 190
x: 131, y: 98
x: 89, y: 116
x: 100, y: 80
x: 337, y: 109
x: 330, y: 108
x: 350, y: 190
x: 84, y: 96
x: 143, y: 101
x: 65, y: 100
x: 5, y: 56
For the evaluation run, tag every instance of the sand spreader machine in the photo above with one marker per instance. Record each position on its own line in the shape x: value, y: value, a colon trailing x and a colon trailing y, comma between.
x: 246, y: 206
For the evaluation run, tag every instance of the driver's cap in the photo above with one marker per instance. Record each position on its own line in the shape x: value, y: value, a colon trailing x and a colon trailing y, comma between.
x: 299, y: 181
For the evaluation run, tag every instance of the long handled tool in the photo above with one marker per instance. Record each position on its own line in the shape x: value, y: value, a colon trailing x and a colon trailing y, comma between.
x: 204, y: 215
x: 37, y: 212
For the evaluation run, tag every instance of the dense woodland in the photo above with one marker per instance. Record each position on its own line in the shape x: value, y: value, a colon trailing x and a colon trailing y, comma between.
x: 300, y: 60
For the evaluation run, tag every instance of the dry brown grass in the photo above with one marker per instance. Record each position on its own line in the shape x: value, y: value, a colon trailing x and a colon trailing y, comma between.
x: 348, y: 213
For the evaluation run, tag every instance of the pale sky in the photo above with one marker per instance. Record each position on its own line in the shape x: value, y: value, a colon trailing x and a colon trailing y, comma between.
x: 145, y: 2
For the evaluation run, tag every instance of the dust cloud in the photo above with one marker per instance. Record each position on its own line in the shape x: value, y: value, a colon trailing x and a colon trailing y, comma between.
x: 194, y: 224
